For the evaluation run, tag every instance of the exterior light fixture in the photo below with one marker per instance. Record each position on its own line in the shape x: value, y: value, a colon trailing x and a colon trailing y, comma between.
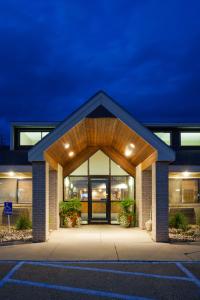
x: 132, y: 145
x: 67, y: 145
x: 11, y: 173
x: 186, y: 174
x: 128, y: 152
x: 71, y: 153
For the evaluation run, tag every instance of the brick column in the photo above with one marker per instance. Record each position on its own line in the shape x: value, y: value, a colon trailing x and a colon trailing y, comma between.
x: 138, y: 182
x: 53, y: 201
x: 143, y: 195
x: 40, y: 201
x: 160, y: 201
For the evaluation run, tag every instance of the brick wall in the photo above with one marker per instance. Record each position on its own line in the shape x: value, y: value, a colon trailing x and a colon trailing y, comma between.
x: 40, y: 201
x: 160, y: 201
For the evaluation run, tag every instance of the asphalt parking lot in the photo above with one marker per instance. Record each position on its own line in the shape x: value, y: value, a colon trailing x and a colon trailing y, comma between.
x: 99, y: 280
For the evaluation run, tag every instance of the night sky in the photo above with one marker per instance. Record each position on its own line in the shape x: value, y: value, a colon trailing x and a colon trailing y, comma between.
x: 55, y: 54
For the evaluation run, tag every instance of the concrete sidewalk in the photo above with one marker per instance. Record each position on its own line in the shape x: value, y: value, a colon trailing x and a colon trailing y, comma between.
x: 101, y: 242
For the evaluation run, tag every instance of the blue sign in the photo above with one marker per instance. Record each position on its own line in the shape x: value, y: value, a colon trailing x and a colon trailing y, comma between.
x: 8, y: 208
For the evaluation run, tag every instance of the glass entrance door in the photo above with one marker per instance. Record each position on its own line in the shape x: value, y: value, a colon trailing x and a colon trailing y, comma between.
x: 99, y: 200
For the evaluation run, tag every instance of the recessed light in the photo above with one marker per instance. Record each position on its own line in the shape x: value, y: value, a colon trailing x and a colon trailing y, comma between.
x: 67, y: 145
x: 11, y: 173
x: 128, y: 152
x: 132, y: 145
x: 186, y: 174
x: 71, y: 153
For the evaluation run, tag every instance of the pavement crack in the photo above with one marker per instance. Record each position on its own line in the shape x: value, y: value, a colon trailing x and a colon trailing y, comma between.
x: 115, y: 247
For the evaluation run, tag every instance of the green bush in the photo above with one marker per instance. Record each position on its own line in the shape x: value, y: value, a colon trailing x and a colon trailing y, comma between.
x: 70, y: 207
x: 198, y: 217
x: 23, y: 223
x: 178, y: 221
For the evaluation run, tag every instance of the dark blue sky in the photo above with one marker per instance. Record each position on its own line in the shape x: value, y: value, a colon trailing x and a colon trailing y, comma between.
x: 55, y: 54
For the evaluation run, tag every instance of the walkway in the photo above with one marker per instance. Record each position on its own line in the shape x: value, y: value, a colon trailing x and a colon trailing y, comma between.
x: 101, y: 242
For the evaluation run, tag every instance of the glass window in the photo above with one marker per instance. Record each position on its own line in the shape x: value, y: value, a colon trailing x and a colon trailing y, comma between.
x: 99, y: 164
x: 77, y: 187
x: 30, y: 138
x: 190, y: 138
x: 189, y: 191
x: 25, y: 191
x: 44, y: 133
x: 121, y: 187
x: 175, y: 191
x: 82, y: 170
x: 8, y: 190
x: 183, y: 191
x: 164, y: 136
x: 116, y: 169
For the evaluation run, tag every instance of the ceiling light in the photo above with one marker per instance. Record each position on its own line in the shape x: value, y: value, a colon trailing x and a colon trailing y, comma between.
x: 11, y: 173
x: 132, y: 145
x: 67, y: 145
x: 71, y: 153
x: 186, y: 174
x: 128, y: 152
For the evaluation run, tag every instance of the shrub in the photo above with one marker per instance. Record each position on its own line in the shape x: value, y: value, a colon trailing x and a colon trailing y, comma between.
x: 23, y: 223
x: 178, y: 221
x: 70, y: 207
x: 198, y: 217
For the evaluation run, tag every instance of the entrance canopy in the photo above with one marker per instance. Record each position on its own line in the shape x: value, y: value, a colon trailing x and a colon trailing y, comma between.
x: 101, y: 124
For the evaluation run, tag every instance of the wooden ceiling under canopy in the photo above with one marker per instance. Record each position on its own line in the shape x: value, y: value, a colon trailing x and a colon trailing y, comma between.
x: 110, y: 135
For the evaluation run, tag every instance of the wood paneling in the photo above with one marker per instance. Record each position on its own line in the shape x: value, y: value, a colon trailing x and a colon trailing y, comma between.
x: 119, y: 159
x: 149, y: 160
x: 78, y: 160
x: 100, y: 132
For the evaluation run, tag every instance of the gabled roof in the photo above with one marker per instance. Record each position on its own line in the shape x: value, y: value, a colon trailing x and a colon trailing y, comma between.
x: 165, y: 153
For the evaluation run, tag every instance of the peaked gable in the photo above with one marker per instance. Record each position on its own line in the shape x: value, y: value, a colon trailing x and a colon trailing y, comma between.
x: 99, y: 104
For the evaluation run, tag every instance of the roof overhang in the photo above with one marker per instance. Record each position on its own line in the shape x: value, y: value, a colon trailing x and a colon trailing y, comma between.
x: 164, y: 153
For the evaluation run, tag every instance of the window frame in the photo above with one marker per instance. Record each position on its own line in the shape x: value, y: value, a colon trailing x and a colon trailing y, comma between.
x: 19, y: 130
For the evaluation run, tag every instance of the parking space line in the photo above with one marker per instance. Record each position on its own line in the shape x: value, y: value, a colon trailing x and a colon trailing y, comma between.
x: 11, y: 273
x: 119, y: 272
x: 189, y: 274
x: 77, y: 290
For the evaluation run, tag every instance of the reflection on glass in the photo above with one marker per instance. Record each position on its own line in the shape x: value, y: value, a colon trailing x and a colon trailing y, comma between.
x: 99, y: 188
x: 77, y: 187
x: 183, y: 191
x: 122, y: 187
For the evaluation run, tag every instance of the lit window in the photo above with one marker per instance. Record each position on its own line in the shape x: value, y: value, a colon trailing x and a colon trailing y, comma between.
x: 190, y: 138
x: 164, y: 136
x: 30, y: 138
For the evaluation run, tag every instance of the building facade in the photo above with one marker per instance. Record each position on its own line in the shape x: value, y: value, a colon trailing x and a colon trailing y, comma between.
x: 101, y: 155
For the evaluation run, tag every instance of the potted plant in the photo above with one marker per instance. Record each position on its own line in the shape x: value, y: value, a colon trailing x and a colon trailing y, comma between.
x: 126, y: 216
x: 70, y: 213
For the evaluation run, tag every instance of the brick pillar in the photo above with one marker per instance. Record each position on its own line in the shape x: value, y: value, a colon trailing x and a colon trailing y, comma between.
x: 138, y: 193
x: 160, y: 201
x: 53, y: 201
x: 146, y: 196
x: 143, y: 195
x: 60, y: 184
x: 40, y: 201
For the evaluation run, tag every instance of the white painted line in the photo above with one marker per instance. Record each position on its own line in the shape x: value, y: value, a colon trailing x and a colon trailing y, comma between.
x: 189, y: 274
x: 77, y: 290
x: 127, y: 273
x: 11, y: 273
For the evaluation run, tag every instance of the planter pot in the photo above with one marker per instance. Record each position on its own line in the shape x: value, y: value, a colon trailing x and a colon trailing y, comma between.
x: 148, y: 225
x: 125, y: 221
